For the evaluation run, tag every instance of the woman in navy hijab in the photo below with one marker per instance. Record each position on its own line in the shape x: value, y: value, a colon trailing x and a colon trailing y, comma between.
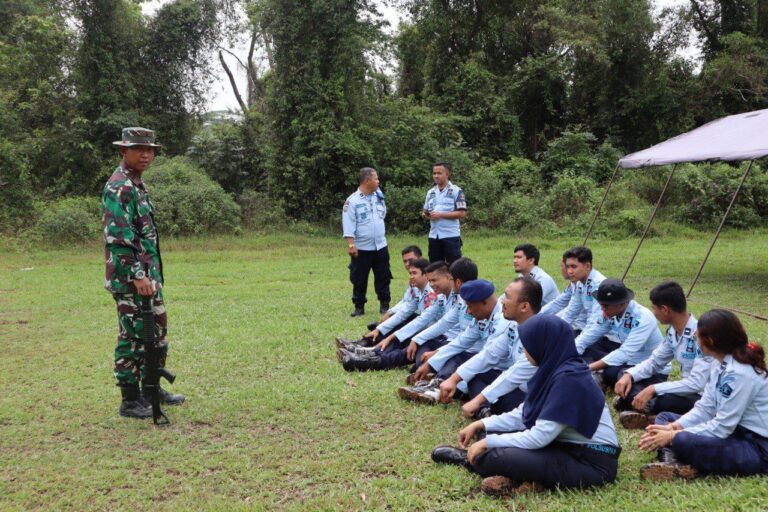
x: 561, y: 437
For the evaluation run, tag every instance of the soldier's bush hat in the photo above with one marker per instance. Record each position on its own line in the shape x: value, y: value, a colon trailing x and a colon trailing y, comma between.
x: 613, y: 291
x: 136, y: 136
x: 477, y: 290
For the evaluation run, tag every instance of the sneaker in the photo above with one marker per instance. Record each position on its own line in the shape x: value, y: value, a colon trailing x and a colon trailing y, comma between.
x: 662, y: 472
x: 428, y: 394
x: 410, y: 380
x: 633, y: 420
x: 501, y: 486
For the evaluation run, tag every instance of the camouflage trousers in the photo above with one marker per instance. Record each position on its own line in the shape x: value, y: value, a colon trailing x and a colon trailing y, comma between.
x: 129, y: 352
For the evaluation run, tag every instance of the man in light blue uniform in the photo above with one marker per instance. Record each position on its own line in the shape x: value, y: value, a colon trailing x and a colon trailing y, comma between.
x: 560, y: 304
x: 363, y: 221
x: 582, y: 309
x: 633, y: 391
x: 409, y: 254
x: 633, y: 325
x: 486, y: 312
x: 526, y: 263
x: 444, y: 206
x: 503, y: 352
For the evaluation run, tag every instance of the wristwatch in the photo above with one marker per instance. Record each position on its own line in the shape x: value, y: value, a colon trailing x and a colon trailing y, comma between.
x: 138, y: 276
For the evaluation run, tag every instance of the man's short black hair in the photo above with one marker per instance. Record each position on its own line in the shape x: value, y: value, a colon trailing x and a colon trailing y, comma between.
x: 582, y: 254
x: 411, y: 248
x: 531, y: 292
x: 447, y: 165
x: 530, y: 251
x: 366, y: 173
x: 440, y: 267
x: 420, y: 263
x: 464, y: 269
x: 670, y: 294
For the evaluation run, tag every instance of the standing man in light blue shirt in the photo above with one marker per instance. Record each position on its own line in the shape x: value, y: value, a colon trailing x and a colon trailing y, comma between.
x: 526, y: 263
x: 444, y: 206
x: 363, y: 221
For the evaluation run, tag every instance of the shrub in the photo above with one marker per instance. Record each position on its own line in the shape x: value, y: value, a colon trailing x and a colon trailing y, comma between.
x: 69, y: 220
x: 187, y: 201
x: 404, y: 207
x: 570, y: 196
x: 260, y: 212
x: 515, y: 211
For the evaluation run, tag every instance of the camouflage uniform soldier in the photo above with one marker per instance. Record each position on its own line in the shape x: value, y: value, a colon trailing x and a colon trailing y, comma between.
x: 134, y: 267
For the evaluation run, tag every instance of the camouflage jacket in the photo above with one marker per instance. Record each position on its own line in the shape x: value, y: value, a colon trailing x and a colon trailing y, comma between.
x: 130, y: 234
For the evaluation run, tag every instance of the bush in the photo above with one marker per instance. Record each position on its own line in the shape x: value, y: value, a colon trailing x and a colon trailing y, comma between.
x: 570, y: 196
x: 15, y: 193
x: 69, y: 220
x: 404, y: 207
x: 187, y: 201
x: 260, y: 212
x: 574, y: 153
x: 514, y: 212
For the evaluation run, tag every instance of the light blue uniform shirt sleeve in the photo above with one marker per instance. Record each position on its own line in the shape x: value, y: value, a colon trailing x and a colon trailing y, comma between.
x: 659, y: 359
x: 400, y: 305
x: 424, y: 320
x: 559, y: 303
x: 548, y: 286
x: 574, y: 308
x: 494, y: 353
x: 514, y: 377
x: 695, y: 382
x: 348, y: 219
x: 644, y: 333
x: 540, y: 435
x: 462, y: 343
x: 596, y: 328
x: 410, y: 307
x: 447, y: 322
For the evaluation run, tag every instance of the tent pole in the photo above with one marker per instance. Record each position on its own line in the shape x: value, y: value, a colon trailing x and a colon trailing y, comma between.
x: 600, y: 206
x: 648, y: 226
x: 720, y: 227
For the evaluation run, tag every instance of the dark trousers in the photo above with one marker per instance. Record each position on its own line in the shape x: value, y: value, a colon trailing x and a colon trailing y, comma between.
x: 505, y: 403
x: 394, y: 355
x: 360, y: 267
x: 671, y: 402
x: 445, y: 249
x: 742, y: 453
x: 599, y: 350
x: 453, y: 364
x: 625, y: 404
x: 428, y: 346
x: 563, y: 465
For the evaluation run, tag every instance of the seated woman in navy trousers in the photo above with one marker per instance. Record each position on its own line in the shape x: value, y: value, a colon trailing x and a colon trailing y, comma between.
x: 562, y: 436
x: 726, y: 432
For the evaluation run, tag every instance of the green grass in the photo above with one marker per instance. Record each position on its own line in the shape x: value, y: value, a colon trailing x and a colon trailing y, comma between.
x: 271, y: 420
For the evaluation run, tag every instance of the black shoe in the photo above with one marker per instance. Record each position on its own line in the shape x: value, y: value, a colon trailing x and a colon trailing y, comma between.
x: 359, y: 311
x: 132, y: 405
x: 371, y: 326
x: 383, y: 308
x: 445, y: 454
x: 667, y: 456
x: 169, y: 398
x: 358, y: 361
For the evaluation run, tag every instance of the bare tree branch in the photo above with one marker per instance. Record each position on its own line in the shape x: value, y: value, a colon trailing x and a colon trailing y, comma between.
x: 232, y: 82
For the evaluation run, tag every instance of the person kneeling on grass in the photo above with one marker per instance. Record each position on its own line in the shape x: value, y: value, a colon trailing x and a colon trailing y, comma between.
x: 561, y: 437
x: 726, y: 432
x: 640, y: 400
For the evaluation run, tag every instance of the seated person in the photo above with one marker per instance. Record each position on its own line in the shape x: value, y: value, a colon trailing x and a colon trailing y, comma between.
x: 582, y: 309
x: 526, y: 263
x: 561, y: 437
x: 623, y: 319
x: 503, y: 352
x: 560, y: 303
x: 392, y: 351
x: 421, y: 298
x: 638, y: 398
x: 726, y: 432
x: 487, y: 319
x: 409, y: 254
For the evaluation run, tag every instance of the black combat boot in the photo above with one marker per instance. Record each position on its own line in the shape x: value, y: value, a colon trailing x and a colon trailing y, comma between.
x: 383, y: 307
x: 358, y: 361
x: 170, y: 398
x: 359, y: 310
x: 132, y: 405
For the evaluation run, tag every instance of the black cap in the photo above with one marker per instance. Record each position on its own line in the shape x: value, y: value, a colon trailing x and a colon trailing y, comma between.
x: 613, y: 291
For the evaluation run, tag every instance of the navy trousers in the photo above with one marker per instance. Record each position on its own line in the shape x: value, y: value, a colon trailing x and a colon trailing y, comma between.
x: 671, y: 402
x: 445, y: 249
x: 625, y: 404
x: 559, y: 465
x: 599, y: 350
x: 361, y: 266
x: 395, y: 355
x: 505, y: 403
x: 453, y: 364
x: 428, y: 346
x: 743, y: 453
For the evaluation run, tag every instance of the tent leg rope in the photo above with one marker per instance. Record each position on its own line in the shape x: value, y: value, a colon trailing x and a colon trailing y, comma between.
x: 650, y: 221
x: 720, y: 227
x: 739, y: 311
x: 600, y: 206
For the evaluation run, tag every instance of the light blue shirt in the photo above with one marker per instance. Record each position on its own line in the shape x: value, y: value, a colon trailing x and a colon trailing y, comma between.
x: 583, y: 305
x: 450, y: 199
x: 543, y: 432
x: 694, y: 364
x: 515, y: 376
x: 500, y: 352
x: 548, y: 287
x: 558, y: 305
x: 636, y: 330
x: 471, y: 340
x: 363, y: 219
x: 417, y: 302
x: 453, y: 322
x: 734, y: 396
x: 400, y: 305
x: 433, y: 310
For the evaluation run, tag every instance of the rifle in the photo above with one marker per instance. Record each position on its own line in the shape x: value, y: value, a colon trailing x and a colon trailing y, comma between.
x: 152, y: 372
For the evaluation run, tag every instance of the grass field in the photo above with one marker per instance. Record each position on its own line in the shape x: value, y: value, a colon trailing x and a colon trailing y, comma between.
x: 271, y: 420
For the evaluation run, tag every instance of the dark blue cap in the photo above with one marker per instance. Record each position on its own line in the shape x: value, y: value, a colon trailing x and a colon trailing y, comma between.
x: 477, y: 290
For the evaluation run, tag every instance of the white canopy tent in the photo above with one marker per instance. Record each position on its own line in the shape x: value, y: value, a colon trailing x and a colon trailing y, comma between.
x: 731, y: 138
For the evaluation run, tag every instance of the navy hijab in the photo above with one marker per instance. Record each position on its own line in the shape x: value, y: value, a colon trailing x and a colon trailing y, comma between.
x: 562, y: 389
